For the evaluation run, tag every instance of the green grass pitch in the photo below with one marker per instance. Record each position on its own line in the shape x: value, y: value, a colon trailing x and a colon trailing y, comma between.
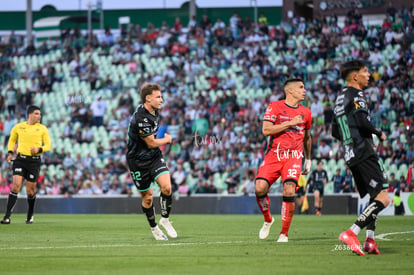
x: 207, y: 244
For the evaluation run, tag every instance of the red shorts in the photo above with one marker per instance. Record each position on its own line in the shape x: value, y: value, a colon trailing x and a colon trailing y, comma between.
x: 273, y: 167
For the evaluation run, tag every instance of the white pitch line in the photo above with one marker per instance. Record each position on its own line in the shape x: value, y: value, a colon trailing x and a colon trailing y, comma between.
x: 384, y: 235
x: 118, y: 245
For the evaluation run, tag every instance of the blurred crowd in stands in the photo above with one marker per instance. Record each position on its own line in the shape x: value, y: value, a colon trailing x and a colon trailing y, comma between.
x: 224, y: 155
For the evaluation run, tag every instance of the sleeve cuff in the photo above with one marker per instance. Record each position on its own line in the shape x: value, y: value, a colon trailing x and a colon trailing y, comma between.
x: 378, y: 132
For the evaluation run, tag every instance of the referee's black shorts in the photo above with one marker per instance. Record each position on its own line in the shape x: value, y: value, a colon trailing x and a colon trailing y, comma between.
x: 369, y: 177
x: 27, y: 166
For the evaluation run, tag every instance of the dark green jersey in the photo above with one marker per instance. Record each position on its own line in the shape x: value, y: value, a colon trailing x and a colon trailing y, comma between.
x: 352, y: 125
x: 142, y: 124
x: 317, y: 178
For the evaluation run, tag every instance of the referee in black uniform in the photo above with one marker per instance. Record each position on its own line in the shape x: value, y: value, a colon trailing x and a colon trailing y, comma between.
x: 32, y: 139
x: 146, y: 162
x: 353, y: 128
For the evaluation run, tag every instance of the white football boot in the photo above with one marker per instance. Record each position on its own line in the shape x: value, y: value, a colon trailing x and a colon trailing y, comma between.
x: 158, y: 234
x: 264, y: 231
x: 165, y: 222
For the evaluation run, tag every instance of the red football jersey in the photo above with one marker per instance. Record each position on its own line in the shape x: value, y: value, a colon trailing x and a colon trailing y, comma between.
x: 289, y: 141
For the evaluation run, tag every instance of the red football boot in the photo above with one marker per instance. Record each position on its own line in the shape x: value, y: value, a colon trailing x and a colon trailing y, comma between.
x: 371, y: 247
x: 350, y: 239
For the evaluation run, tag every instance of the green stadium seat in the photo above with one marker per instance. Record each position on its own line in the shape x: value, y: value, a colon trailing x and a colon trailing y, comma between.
x: 329, y: 188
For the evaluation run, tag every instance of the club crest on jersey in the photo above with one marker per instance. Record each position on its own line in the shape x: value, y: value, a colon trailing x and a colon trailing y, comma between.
x: 357, y: 106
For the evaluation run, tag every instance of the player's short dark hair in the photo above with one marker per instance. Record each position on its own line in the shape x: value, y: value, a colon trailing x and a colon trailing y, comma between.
x: 31, y: 109
x: 351, y: 66
x: 287, y: 82
x: 291, y: 80
x: 147, y: 89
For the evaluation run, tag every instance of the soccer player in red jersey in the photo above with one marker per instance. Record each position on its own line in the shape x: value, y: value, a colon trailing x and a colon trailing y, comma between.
x: 287, y: 123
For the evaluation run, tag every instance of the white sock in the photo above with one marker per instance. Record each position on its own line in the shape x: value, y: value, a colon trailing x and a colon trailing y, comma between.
x: 356, y: 229
x: 370, y: 234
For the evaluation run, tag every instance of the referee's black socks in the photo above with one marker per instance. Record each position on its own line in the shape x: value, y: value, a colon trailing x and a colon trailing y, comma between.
x: 11, y: 202
x: 30, y: 203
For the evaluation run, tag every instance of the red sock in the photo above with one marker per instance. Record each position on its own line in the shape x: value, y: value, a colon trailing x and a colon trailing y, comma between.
x: 288, y: 208
x: 264, y: 205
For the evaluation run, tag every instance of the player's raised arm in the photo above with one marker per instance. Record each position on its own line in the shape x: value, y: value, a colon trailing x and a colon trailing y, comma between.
x: 153, y: 142
x: 270, y: 128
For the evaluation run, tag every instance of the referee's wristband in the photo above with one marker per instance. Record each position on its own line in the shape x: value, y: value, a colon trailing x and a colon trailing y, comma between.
x: 10, y: 152
x: 40, y: 150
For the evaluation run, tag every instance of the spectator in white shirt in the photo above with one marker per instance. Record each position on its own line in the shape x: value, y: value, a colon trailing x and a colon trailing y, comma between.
x: 98, y: 108
x: 372, y: 33
x: 179, y: 175
x: 229, y: 82
x: 389, y: 36
x: 234, y: 21
x: 316, y: 108
x: 324, y: 150
x: 398, y: 37
x: 376, y: 57
x: 68, y: 161
x: 87, y: 134
x: 219, y: 24
x: 162, y: 39
x: 86, y: 188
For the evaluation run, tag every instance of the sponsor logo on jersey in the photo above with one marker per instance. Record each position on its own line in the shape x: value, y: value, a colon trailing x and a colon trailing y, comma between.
x: 373, y: 183
x: 339, y: 110
x: 287, y: 154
